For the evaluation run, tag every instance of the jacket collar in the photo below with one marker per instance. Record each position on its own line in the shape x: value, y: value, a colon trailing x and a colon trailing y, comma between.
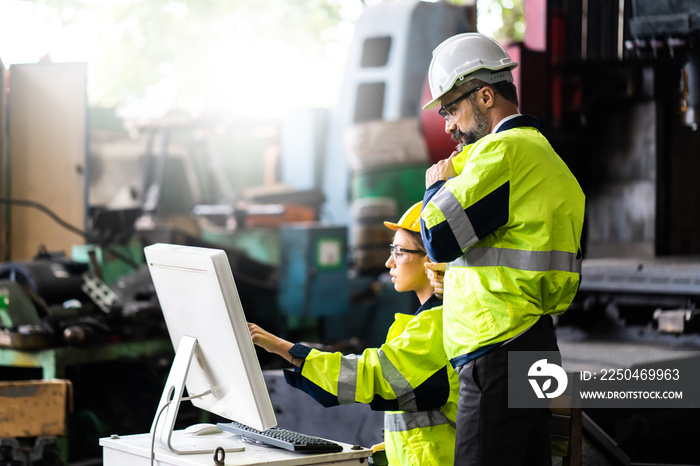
x: 432, y: 302
x: 520, y: 121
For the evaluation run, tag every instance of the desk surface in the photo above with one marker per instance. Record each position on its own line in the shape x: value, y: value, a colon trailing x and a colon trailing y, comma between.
x: 134, y: 450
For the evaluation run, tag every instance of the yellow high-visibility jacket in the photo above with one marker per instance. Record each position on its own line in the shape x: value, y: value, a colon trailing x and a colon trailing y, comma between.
x: 510, y: 226
x: 408, y: 377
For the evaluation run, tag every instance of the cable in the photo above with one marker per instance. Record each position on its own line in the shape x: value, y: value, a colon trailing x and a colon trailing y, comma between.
x: 46, y: 210
x: 155, y: 429
x: 67, y: 226
x: 160, y: 411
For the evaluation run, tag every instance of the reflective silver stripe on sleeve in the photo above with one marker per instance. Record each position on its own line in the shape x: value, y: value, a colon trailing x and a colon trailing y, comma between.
x: 402, y: 389
x: 535, y: 261
x: 402, y: 422
x: 459, y: 223
x: 347, y: 379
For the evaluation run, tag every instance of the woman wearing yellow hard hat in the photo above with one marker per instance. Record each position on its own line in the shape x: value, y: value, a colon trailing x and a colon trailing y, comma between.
x: 408, y: 376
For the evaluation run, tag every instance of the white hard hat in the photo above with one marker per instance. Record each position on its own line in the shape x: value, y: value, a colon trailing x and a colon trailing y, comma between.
x: 464, y: 57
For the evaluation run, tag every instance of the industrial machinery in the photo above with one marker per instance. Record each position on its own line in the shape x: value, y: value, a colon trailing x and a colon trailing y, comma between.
x: 58, y: 319
x: 615, y: 85
x: 616, y: 88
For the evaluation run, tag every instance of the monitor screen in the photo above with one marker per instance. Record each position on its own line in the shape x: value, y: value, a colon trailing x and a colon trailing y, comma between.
x: 198, y: 297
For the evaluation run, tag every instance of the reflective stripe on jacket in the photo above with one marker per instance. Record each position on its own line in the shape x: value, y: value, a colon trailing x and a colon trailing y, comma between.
x: 510, y: 225
x: 408, y: 377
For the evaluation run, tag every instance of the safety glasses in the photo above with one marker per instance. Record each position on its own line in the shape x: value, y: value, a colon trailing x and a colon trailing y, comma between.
x: 402, y: 255
x: 450, y: 111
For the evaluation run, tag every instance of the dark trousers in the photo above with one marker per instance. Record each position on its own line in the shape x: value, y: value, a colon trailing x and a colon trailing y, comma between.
x: 488, y: 432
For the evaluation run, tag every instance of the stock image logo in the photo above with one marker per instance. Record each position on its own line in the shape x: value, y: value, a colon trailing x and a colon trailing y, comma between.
x: 540, y: 376
x: 536, y: 379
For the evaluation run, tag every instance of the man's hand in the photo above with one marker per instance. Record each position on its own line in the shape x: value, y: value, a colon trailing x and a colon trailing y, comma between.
x: 443, y: 170
x: 436, y: 273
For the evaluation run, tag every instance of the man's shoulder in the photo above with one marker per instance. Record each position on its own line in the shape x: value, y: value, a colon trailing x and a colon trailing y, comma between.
x: 509, y: 137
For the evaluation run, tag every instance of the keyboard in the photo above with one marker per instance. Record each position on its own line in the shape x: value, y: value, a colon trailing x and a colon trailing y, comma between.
x: 282, y: 438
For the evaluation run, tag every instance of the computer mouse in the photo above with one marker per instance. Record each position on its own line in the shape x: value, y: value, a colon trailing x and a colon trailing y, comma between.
x: 202, y: 429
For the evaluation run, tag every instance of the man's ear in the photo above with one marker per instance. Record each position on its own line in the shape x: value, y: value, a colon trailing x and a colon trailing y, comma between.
x: 486, y: 97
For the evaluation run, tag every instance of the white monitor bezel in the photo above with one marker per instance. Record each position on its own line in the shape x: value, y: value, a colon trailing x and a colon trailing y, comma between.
x: 198, y: 297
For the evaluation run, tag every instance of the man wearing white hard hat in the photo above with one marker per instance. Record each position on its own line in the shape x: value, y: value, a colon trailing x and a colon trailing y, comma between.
x: 506, y: 213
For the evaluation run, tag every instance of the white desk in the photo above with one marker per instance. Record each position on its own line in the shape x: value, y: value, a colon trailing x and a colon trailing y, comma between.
x: 134, y: 450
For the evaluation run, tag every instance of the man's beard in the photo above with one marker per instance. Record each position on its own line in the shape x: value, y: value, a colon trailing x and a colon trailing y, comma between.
x: 480, y: 128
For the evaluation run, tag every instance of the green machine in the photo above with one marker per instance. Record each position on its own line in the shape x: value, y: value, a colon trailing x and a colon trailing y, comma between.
x: 313, y: 270
x: 20, y: 323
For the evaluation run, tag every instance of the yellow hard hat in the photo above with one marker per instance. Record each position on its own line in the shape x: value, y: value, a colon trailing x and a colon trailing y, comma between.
x: 410, y: 220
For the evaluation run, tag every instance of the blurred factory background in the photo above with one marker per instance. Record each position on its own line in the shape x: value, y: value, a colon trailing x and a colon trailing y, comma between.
x: 296, y: 192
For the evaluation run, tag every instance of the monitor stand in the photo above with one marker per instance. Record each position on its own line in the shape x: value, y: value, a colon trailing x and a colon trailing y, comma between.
x: 177, y: 441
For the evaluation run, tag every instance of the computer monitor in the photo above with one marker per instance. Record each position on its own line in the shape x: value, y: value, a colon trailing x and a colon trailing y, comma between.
x: 214, y: 350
